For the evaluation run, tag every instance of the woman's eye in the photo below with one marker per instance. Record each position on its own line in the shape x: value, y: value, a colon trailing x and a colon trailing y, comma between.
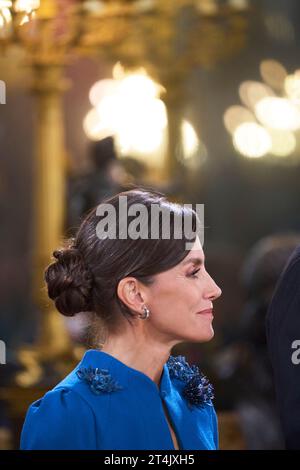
x: 193, y: 274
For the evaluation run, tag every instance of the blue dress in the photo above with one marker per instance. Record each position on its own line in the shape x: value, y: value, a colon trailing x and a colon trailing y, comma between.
x: 105, y: 404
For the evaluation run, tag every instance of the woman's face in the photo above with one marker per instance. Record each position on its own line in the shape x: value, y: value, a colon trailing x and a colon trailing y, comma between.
x: 178, y: 295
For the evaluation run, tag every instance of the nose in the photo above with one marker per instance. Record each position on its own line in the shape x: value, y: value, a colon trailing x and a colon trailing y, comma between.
x: 213, y: 291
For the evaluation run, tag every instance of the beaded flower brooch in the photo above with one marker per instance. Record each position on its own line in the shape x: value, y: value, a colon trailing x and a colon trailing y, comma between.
x: 99, y: 380
x: 197, y: 389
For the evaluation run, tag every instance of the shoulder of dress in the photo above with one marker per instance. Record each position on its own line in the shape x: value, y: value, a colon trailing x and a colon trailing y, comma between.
x: 197, y: 389
x: 57, y: 420
x: 59, y: 397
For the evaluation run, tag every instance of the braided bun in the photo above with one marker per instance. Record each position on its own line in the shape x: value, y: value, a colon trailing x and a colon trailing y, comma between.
x: 69, y: 282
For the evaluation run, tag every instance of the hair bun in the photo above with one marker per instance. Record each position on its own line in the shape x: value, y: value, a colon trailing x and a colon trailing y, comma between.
x: 69, y: 282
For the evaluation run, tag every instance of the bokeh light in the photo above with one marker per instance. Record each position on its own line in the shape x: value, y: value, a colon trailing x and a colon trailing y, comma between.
x: 94, y: 128
x: 278, y: 113
x: 5, y: 18
x: 190, y: 141
x: 139, y: 87
x: 26, y: 5
x: 128, y: 108
x: 235, y: 116
x: 101, y: 89
x: 283, y: 142
x: 252, y: 92
x: 292, y: 86
x: 252, y: 140
x: 273, y: 73
x: 141, y: 126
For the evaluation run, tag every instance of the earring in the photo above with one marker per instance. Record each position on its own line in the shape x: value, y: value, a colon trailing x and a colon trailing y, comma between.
x: 146, y: 313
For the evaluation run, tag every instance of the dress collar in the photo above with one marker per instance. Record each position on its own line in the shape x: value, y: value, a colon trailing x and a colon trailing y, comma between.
x: 123, y: 374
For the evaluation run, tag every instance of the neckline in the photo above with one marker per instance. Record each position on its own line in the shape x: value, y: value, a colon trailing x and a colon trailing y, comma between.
x: 162, y: 390
x: 113, y: 360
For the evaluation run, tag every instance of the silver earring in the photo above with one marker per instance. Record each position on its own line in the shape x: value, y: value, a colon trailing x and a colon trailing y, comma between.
x: 146, y: 313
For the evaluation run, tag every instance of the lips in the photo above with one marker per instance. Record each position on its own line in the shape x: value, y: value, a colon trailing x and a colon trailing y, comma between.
x: 208, y: 311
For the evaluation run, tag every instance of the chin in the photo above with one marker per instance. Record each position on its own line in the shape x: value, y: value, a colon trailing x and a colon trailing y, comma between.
x: 203, y: 337
x: 210, y: 335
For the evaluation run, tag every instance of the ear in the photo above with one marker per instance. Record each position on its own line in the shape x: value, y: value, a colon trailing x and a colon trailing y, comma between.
x: 132, y: 293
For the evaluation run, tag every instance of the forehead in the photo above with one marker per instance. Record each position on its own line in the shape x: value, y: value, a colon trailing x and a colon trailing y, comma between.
x: 195, y: 253
x: 197, y: 247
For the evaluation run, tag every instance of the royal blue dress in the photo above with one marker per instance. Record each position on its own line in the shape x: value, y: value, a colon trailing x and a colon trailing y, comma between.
x: 104, y: 404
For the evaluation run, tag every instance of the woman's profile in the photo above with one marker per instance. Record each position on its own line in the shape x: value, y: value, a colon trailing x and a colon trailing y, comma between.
x: 147, y: 294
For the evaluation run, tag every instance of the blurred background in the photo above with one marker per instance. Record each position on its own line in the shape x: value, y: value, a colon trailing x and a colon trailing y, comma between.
x: 199, y: 99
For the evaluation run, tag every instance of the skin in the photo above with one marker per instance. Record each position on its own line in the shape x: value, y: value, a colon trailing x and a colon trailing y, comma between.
x: 173, y: 299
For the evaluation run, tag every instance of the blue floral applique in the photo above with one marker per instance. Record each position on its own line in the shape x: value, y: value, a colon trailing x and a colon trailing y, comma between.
x: 197, y: 390
x: 99, y: 380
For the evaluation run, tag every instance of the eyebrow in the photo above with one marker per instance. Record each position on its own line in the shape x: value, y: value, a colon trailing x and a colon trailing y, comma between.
x: 196, y: 261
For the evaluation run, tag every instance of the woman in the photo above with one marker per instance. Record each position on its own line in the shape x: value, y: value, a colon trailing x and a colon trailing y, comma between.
x: 148, y: 294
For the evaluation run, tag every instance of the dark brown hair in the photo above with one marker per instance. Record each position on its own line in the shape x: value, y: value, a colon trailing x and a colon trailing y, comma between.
x: 87, y: 271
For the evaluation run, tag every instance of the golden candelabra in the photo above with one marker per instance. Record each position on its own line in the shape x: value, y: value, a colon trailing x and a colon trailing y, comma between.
x: 169, y: 38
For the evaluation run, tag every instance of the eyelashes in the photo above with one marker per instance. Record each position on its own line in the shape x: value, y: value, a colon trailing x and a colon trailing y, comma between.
x: 193, y: 274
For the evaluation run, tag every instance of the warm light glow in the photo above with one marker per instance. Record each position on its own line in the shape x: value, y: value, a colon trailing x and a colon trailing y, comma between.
x: 239, y: 4
x: 94, y: 6
x: 207, y: 7
x: 23, y: 6
x: 139, y: 87
x: 129, y: 108
x: 94, y: 128
x: 278, y: 113
x: 26, y: 5
x: 110, y: 110
x: 101, y: 89
x: 190, y: 141
x: 252, y: 140
x: 237, y: 115
x: 140, y: 126
x: 136, y: 80
x: 292, y: 86
x: 273, y: 73
x: 251, y: 92
x: 6, y: 14
x: 118, y: 71
x: 283, y: 142
x: 5, y: 20
x: 24, y: 20
x: 5, y: 4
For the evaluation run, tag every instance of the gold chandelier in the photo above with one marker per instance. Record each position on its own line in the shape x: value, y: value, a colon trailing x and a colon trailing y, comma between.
x: 14, y: 14
x: 157, y: 33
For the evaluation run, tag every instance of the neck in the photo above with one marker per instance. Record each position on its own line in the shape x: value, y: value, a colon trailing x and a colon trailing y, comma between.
x: 140, y: 351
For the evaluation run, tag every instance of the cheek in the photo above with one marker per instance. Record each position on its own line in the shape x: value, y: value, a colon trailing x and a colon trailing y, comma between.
x: 179, y: 321
x: 177, y: 295
x: 174, y: 306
